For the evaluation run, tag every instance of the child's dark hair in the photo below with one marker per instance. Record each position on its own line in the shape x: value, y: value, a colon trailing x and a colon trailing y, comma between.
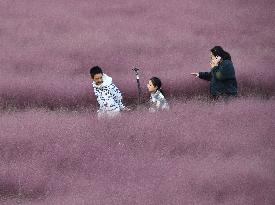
x: 95, y: 70
x: 157, y: 83
x: 218, y: 51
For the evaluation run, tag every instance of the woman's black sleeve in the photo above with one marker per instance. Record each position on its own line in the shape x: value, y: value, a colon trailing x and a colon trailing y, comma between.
x: 226, y: 71
x: 205, y: 75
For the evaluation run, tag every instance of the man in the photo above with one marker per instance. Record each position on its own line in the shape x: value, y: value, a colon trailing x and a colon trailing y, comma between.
x: 108, y: 95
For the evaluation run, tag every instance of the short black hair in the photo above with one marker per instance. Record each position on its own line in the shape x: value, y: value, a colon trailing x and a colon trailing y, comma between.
x: 95, y: 70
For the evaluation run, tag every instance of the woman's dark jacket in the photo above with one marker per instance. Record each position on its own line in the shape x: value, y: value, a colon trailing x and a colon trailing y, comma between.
x: 222, y: 79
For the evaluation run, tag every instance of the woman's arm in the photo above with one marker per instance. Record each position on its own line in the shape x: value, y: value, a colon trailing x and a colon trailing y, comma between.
x: 225, y: 71
x: 205, y: 75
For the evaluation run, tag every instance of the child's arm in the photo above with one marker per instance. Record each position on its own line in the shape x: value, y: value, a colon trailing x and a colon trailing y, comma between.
x: 226, y: 71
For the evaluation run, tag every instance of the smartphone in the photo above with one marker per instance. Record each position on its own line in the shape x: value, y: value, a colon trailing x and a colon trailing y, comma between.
x: 218, y: 58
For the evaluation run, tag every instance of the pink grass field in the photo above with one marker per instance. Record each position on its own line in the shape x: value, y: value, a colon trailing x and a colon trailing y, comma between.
x: 54, y: 150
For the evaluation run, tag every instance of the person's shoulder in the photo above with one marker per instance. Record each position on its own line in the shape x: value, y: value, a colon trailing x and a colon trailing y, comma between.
x: 114, y: 88
x: 227, y: 62
x: 160, y: 96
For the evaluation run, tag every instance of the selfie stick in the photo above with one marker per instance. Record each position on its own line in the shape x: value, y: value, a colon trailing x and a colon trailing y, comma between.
x: 138, y: 83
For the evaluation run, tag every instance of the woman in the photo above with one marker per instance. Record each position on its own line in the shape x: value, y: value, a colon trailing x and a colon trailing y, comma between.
x: 222, y: 75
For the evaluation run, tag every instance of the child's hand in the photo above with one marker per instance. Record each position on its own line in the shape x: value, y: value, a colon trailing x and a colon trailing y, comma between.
x: 195, y: 74
x: 126, y: 109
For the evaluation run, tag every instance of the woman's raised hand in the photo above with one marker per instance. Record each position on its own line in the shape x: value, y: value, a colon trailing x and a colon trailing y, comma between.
x: 214, y: 62
x: 195, y: 74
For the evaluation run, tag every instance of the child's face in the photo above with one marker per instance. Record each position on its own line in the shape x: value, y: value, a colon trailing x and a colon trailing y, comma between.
x: 151, y: 87
x: 98, y: 79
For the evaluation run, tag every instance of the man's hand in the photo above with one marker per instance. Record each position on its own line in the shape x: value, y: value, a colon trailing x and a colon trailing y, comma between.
x: 195, y: 74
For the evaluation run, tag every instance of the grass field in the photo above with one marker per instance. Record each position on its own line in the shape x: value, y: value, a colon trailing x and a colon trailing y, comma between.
x: 53, y: 148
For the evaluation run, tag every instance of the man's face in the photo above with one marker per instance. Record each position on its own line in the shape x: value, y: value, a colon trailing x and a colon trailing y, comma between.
x: 98, y: 79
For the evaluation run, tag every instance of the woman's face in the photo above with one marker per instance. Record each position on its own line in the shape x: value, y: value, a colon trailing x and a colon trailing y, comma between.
x: 212, y: 57
x: 215, y: 59
x: 151, y: 87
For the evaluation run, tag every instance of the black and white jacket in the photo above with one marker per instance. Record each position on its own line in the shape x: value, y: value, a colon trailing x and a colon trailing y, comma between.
x: 109, y: 97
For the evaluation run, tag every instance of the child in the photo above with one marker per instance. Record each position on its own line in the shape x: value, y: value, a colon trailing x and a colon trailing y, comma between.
x: 157, y: 100
x: 108, y: 96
